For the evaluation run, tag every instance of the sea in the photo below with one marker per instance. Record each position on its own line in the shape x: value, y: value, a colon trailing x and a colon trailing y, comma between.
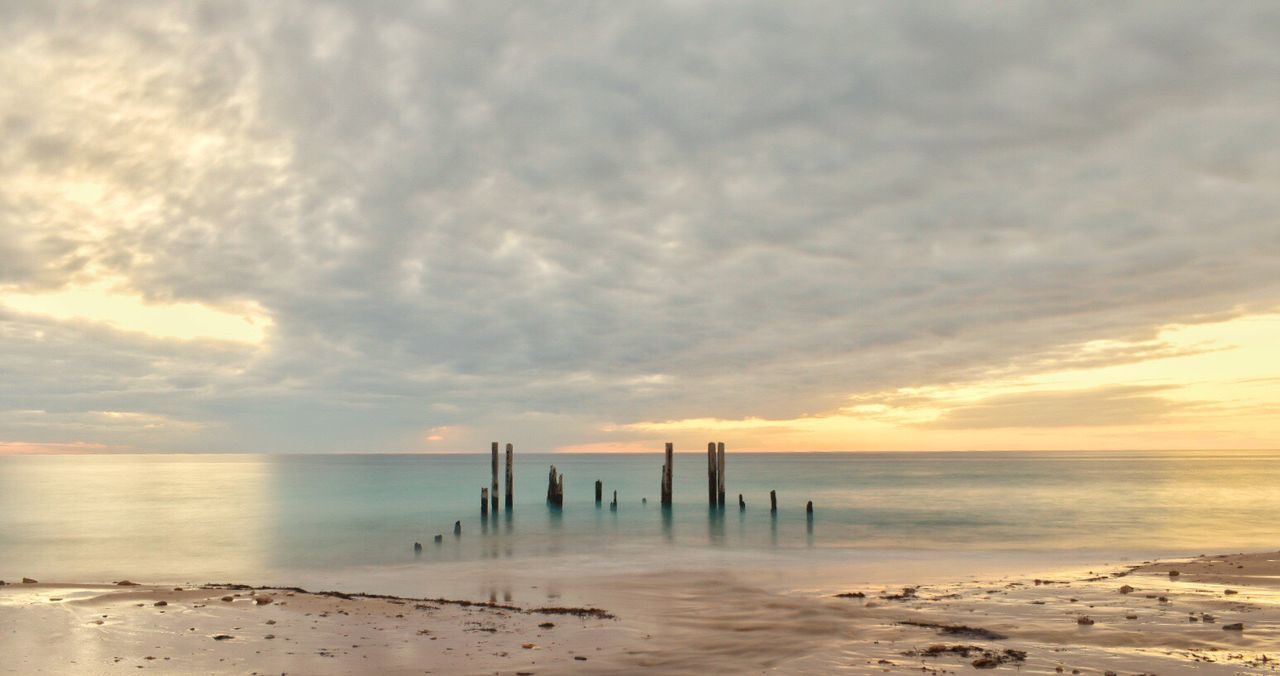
x: 351, y: 521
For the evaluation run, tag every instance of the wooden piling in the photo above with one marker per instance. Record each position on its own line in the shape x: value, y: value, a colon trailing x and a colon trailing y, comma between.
x: 439, y: 537
x: 493, y: 491
x: 484, y: 502
x: 511, y: 477
x: 613, y: 506
x: 712, y: 482
x: 555, y: 488
x: 668, y: 466
x: 720, y: 473
x: 599, y: 491
x: 457, y: 528
x: 742, y: 504
x: 773, y: 502
x: 808, y: 508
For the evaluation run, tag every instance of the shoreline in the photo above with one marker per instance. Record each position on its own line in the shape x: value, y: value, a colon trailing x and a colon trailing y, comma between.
x: 1132, y: 619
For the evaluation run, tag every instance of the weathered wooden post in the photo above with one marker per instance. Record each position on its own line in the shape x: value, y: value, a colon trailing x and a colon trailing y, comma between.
x: 667, y: 468
x: 773, y: 502
x: 555, y: 488
x: 720, y: 473
x: 742, y: 504
x: 613, y: 506
x: 808, y: 509
x: 712, y: 482
x: 493, y: 491
x: 484, y: 503
x: 511, y: 477
x: 599, y: 492
x: 457, y: 528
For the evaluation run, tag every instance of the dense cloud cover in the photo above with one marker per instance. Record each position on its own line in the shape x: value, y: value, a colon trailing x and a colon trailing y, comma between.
x: 531, y: 222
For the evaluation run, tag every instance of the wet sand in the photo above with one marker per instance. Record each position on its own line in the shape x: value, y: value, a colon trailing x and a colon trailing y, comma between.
x: 1120, y: 618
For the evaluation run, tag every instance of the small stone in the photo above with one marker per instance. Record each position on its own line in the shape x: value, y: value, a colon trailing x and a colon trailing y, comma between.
x: 27, y: 580
x: 262, y: 600
x: 1174, y: 573
x: 985, y: 663
x: 1230, y: 592
x: 222, y: 637
x: 228, y: 599
x: 126, y: 583
x: 1126, y: 589
x: 1238, y: 626
x: 547, y: 625
x: 160, y: 604
x: 1085, y: 620
x: 269, y: 636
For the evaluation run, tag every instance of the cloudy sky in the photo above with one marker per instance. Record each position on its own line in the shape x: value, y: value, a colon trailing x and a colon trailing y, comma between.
x: 422, y: 226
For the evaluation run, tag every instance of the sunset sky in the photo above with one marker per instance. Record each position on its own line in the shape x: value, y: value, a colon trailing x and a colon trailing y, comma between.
x: 423, y: 226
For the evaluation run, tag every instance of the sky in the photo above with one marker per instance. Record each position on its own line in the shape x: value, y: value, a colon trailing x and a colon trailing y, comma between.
x: 425, y: 226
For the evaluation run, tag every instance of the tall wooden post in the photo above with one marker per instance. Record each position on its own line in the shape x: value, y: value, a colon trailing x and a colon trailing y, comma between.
x: 720, y: 473
x: 511, y: 477
x: 712, y: 482
x: 493, y: 491
x: 555, y: 488
x: 808, y: 509
x: 667, y: 468
x: 599, y: 492
x: 773, y: 502
x: 484, y: 502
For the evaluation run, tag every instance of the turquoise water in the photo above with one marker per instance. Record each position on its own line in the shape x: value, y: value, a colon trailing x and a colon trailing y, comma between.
x: 249, y: 517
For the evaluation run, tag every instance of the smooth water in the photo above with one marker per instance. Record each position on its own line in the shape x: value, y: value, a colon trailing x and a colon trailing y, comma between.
x: 265, y: 517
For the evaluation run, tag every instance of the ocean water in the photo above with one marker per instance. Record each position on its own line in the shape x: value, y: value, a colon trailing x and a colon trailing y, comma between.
x: 345, y: 518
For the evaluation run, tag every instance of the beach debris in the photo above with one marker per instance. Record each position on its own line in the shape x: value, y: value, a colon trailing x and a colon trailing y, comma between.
x: 511, y: 477
x: 907, y: 594
x: 27, y: 580
x: 851, y: 595
x: 958, y: 630
x: 1230, y: 592
x: 1126, y: 589
x: 223, y: 637
x: 1236, y: 626
x: 1130, y: 616
x: 269, y: 636
x: 547, y: 625
x: 160, y: 604
x: 228, y: 599
x: 986, y: 657
x: 1174, y: 573
x: 1084, y: 620
x: 668, y: 468
x: 529, y: 646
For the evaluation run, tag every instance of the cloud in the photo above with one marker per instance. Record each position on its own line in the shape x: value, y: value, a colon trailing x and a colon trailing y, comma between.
x: 1093, y: 408
x: 542, y: 220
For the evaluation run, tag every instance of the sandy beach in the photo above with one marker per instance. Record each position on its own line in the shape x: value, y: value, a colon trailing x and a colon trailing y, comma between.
x: 1213, y: 614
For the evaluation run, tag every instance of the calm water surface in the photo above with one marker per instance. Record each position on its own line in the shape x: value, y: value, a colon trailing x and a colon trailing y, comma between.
x: 259, y: 517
